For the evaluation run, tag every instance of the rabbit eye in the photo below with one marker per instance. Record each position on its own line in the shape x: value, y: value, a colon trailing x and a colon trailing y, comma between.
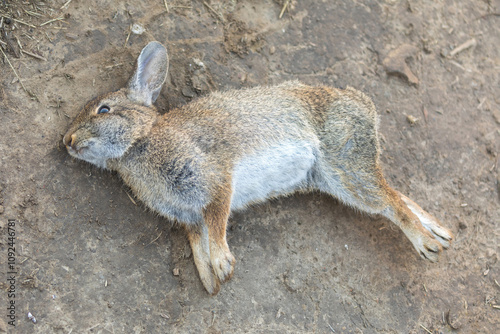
x: 103, y: 110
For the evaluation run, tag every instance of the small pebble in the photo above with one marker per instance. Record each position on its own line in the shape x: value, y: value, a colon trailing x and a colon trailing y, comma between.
x: 138, y: 29
x: 187, y: 92
x: 31, y: 317
x: 412, y: 120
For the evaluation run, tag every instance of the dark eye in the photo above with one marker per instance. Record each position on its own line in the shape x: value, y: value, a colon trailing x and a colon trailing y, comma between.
x: 103, y: 110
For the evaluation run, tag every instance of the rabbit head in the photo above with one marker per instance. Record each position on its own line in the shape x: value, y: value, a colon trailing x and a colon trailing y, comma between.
x: 109, y: 124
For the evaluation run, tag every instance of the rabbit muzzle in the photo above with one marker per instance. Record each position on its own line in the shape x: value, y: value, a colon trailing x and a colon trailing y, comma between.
x: 69, y: 140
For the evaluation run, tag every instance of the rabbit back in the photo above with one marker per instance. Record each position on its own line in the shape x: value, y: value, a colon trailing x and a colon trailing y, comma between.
x: 271, y: 140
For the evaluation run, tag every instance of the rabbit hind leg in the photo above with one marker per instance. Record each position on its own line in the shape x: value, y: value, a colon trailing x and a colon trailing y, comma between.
x: 424, y: 230
x: 429, y: 222
x: 370, y: 193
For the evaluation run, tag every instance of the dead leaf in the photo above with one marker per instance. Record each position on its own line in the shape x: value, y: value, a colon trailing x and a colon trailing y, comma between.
x: 395, y: 62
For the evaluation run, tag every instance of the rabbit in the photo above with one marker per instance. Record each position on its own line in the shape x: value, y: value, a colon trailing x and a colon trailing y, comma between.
x: 228, y: 150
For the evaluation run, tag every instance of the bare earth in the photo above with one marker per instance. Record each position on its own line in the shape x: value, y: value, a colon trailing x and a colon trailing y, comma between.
x: 91, y: 259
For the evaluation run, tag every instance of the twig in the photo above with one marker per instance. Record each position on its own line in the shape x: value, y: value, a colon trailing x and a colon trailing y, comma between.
x: 91, y: 328
x: 25, y: 34
x: 159, y: 235
x: 13, y: 70
x: 463, y: 46
x: 131, y: 198
x: 214, y: 11
x: 18, y: 43
x: 481, y: 102
x: 128, y: 36
x: 33, y: 55
x: 53, y: 20
x: 32, y: 13
x: 48, y: 37
x: 113, y: 66
x: 7, y: 39
x: 428, y: 331
x: 21, y: 22
x: 458, y: 65
x: 489, y: 14
x: 333, y: 330
x: 3, y: 43
x: 213, y: 318
x: 66, y: 4
x: 166, y: 6
x: 284, y: 8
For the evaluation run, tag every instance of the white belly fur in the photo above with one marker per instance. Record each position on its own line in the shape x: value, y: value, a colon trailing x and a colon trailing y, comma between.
x: 274, y: 171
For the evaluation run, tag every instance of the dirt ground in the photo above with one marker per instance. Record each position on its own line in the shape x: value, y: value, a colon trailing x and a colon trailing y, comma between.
x: 91, y: 260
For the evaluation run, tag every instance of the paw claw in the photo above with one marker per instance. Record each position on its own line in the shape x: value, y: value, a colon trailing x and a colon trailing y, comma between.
x: 433, y: 248
x: 211, y: 283
x: 429, y: 238
x: 422, y: 255
x: 429, y: 248
x: 213, y: 289
x: 207, y: 277
x: 223, y: 266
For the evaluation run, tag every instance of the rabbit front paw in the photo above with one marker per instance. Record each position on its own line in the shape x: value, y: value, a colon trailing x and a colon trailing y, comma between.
x: 222, y: 262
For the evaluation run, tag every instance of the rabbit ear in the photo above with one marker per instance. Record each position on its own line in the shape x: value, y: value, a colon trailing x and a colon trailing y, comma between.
x: 150, y: 74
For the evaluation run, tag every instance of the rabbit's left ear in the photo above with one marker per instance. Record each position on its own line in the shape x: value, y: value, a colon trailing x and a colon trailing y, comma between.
x: 150, y: 74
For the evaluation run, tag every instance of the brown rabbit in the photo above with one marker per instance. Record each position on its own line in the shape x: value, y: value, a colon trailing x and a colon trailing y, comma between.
x: 229, y: 150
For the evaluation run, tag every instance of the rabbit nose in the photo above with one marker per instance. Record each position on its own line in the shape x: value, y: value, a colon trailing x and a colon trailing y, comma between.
x: 69, y: 139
